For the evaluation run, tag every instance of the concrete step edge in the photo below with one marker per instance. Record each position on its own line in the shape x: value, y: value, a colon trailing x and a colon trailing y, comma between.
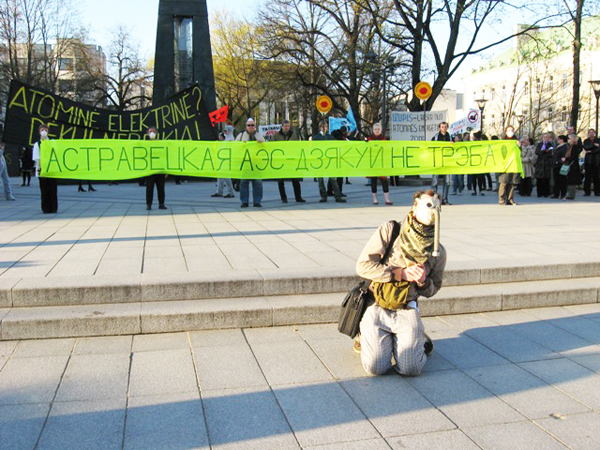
x: 203, y: 285
x: 247, y: 312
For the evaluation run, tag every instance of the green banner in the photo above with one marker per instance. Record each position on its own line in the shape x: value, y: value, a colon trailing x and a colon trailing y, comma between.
x: 108, y: 159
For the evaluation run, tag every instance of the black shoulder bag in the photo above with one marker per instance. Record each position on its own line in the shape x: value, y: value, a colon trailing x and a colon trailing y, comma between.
x: 356, y: 301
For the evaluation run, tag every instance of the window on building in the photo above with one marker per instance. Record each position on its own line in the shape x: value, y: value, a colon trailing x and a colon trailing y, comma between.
x: 493, y: 121
x: 551, y: 83
x: 504, y: 91
x: 565, y: 81
x: 493, y: 94
x: 65, y: 64
x: 550, y: 114
x: 538, y: 86
x: 526, y: 88
x: 563, y: 114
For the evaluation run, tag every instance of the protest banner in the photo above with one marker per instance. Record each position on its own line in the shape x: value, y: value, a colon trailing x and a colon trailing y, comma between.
x: 182, y: 116
x: 106, y: 159
x: 470, y: 123
x: 409, y: 126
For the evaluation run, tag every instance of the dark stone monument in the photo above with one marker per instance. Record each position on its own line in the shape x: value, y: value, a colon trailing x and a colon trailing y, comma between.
x: 183, y: 53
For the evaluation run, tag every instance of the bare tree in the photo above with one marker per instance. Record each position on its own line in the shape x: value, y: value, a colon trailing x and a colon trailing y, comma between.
x: 328, y: 42
x: 126, y: 84
x: 34, y: 34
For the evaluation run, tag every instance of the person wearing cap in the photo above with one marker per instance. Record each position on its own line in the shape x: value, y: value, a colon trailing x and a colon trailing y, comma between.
x: 250, y: 134
x: 287, y: 134
x: 157, y: 179
x: 48, y: 186
x: 225, y: 182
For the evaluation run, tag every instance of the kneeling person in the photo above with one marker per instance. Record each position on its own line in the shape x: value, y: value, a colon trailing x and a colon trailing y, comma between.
x: 392, y: 324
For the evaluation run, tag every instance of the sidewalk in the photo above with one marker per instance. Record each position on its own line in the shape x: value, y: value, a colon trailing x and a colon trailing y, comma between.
x: 523, y: 379
x: 110, y: 233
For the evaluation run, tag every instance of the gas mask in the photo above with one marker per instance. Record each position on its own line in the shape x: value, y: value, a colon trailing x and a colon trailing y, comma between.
x: 44, y: 134
x: 152, y: 135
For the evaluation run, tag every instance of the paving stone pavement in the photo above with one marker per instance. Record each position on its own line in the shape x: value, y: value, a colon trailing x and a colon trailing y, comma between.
x: 110, y: 233
x: 303, y: 387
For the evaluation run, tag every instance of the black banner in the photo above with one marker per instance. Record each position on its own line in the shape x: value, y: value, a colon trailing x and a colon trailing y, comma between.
x: 181, y: 117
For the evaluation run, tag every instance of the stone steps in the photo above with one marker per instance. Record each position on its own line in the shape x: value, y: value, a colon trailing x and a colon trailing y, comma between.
x: 77, y: 291
x: 171, y: 315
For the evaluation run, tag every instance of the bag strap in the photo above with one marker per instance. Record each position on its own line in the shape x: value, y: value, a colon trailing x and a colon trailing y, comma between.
x: 393, y: 237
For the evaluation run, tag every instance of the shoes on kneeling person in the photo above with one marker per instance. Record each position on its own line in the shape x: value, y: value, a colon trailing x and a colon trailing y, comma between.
x: 429, y: 347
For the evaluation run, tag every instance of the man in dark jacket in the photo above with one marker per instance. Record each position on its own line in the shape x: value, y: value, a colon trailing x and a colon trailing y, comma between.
x: 442, y: 135
x: 323, y: 135
x: 591, y: 146
x: 287, y: 134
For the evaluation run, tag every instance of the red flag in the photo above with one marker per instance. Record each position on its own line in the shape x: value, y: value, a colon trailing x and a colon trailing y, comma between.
x: 220, y: 115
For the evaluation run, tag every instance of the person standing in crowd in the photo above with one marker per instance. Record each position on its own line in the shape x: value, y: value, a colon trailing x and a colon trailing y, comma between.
x: 156, y: 179
x: 225, y: 182
x: 591, y: 146
x: 543, y: 165
x: 528, y: 160
x: 391, y: 325
x: 444, y: 136
x: 508, y: 181
x: 26, y: 165
x: 558, y: 159
x: 82, y: 189
x: 458, y: 181
x: 4, y: 175
x: 286, y: 133
x: 476, y: 179
x: 323, y: 135
x: 341, y: 134
x: 250, y: 134
x: 48, y: 186
x: 572, y: 160
x: 378, y: 136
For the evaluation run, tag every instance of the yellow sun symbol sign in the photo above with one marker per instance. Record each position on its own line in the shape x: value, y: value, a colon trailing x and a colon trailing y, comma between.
x: 423, y: 90
x: 324, y: 104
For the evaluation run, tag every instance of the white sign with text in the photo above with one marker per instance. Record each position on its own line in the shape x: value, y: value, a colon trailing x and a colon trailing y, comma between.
x: 410, y: 125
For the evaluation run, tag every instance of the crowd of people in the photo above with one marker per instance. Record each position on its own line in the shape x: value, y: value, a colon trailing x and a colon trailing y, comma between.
x: 551, y: 166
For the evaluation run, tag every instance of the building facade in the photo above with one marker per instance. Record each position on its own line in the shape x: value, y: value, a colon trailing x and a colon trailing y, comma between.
x: 530, y: 86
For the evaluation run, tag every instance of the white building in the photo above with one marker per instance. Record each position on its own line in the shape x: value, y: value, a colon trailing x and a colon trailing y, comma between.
x: 530, y: 86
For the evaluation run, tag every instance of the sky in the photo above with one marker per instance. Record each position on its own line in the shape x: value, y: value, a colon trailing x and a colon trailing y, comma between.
x: 100, y: 16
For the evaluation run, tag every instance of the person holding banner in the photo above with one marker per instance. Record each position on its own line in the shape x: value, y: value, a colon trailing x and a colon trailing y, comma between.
x: 48, y: 186
x: 444, y: 136
x: 379, y: 136
x: 250, y: 134
x: 287, y: 134
x: 323, y: 135
x: 156, y: 179
x: 225, y: 182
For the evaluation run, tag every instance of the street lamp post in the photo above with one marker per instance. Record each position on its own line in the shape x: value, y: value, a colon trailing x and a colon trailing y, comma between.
x: 596, y: 88
x: 520, y: 118
x: 481, y: 104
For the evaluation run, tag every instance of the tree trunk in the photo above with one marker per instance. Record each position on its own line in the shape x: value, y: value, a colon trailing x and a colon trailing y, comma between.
x: 576, y: 69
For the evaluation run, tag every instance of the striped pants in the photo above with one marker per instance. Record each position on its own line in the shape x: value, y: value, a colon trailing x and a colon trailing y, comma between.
x: 385, y: 333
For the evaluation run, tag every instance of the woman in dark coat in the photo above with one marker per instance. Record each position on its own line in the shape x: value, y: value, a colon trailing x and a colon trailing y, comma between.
x: 26, y: 161
x: 572, y: 158
x: 543, y: 165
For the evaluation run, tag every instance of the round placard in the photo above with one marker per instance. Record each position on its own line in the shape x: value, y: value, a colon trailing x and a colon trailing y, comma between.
x: 324, y: 104
x: 423, y: 90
